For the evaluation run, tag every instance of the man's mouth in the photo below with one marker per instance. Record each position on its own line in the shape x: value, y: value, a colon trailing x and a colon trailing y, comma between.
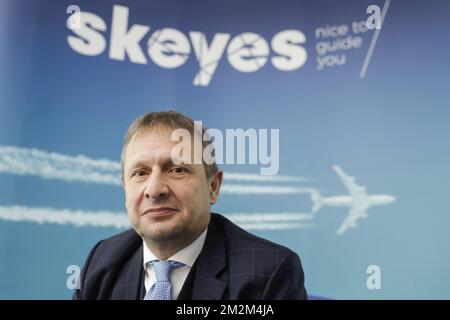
x: 160, y: 212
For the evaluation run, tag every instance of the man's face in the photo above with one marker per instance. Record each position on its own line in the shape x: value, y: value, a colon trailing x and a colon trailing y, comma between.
x: 165, y: 202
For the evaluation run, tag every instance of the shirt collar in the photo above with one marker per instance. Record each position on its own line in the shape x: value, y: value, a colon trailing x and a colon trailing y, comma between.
x: 187, y: 255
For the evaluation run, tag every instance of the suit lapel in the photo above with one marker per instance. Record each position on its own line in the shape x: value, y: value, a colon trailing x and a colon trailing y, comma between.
x: 134, y: 276
x: 130, y: 280
x: 211, y: 261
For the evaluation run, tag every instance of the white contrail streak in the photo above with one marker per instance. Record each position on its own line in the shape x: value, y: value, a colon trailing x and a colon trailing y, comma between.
x: 275, y: 226
x: 119, y: 220
x: 50, y: 165
x: 256, y: 189
x: 77, y: 218
x: 234, y: 176
x: 267, y: 217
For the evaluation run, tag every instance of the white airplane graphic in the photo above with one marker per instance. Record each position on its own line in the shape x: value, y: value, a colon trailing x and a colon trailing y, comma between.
x: 358, y: 201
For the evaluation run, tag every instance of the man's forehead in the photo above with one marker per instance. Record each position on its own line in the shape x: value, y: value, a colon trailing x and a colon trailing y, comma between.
x: 149, y: 153
x: 158, y: 133
x: 154, y: 145
x: 151, y: 138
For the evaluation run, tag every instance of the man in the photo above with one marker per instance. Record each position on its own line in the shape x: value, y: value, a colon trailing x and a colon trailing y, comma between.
x: 177, y: 248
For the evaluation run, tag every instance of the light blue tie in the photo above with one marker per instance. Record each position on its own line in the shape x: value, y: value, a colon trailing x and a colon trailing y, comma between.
x: 162, y: 288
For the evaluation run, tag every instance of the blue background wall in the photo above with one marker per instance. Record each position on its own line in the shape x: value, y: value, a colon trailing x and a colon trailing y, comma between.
x: 390, y: 130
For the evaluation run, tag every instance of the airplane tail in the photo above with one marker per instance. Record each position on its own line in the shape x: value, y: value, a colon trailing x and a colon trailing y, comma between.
x: 317, y: 200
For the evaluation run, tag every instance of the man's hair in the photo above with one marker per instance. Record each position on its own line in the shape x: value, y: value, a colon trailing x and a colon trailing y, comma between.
x: 172, y: 120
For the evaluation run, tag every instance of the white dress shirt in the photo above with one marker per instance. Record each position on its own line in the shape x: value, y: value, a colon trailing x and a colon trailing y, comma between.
x: 186, y: 256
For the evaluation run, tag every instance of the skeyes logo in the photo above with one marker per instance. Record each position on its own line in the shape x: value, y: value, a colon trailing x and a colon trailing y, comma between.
x: 170, y: 48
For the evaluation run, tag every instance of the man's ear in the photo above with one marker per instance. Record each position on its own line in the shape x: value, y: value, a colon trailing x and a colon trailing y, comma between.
x: 214, y: 187
x: 122, y: 179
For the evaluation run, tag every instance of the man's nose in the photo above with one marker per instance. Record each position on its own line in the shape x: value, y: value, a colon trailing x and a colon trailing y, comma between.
x: 156, y: 187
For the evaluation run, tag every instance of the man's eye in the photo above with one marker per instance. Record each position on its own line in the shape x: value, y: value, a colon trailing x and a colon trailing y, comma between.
x: 139, y: 173
x: 179, y: 170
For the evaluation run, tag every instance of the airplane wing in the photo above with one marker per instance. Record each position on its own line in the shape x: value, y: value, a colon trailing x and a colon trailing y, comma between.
x: 350, y: 220
x: 354, y: 189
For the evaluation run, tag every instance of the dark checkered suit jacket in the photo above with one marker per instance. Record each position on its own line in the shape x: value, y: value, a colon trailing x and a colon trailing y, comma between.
x: 233, y: 264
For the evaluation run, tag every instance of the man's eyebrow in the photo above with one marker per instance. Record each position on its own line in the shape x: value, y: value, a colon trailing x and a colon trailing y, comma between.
x: 132, y: 169
x: 165, y: 164
x: 136, y: 164
x: 170, y: 163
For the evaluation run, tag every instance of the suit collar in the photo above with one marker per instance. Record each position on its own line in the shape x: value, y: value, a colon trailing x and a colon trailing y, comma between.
x: 186, y: 256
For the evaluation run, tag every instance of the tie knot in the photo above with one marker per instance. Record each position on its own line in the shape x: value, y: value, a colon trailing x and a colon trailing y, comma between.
x: 163, y: 268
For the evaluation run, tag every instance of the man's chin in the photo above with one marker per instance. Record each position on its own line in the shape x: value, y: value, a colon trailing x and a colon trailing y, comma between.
x: 163, y: 233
